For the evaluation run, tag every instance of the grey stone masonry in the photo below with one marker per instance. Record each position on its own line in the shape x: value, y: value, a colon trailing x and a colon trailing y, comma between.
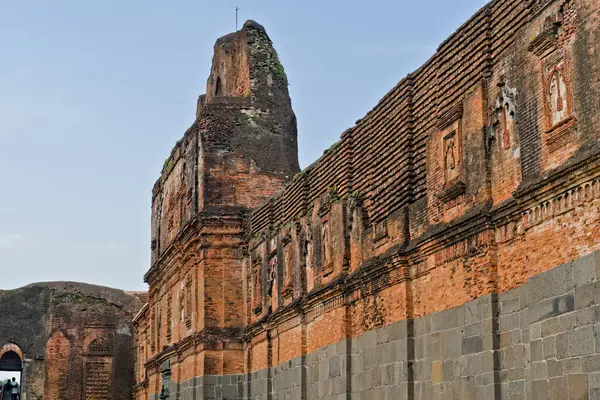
x: 256, y: 385
x: 326, y: 375
x: 211, y: 387
x: 549, y: 334
x: 379, y: 363
x: 454, y: 353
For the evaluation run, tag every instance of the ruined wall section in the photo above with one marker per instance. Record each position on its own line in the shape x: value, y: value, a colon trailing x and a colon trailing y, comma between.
x: 248, y: 132
x: 76, y: 340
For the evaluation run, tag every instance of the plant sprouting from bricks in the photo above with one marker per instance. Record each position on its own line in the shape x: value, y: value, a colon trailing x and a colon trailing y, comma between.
x: 166, y: 164
x: 279, y: 67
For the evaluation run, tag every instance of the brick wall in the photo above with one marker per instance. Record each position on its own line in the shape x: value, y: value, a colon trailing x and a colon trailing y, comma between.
x: 382, y: 268
x: 467, y: 226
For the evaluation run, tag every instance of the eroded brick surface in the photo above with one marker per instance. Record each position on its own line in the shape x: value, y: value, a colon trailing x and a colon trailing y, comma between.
x: 75, y: 340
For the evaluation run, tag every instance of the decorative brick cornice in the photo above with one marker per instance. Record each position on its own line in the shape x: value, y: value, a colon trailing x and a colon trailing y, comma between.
x: 209, y: 339
x: 562, y: 202
x: 201, y: 220
x: 325, y: 306
x: 587, y: 164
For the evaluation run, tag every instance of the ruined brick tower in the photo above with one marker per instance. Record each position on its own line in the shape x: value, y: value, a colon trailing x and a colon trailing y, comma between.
x: 240, y: 151
x: 245, y: 127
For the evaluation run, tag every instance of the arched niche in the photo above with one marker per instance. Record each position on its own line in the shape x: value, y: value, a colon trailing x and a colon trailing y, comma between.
x: 219, y: 87
x: 56, y: 366
x: 11, y: 358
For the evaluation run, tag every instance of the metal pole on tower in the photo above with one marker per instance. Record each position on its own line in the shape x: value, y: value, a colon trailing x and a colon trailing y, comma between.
x: 236, y: 18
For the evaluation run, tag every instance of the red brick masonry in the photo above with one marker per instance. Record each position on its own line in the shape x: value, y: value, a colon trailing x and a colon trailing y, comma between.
x: 477, y: 172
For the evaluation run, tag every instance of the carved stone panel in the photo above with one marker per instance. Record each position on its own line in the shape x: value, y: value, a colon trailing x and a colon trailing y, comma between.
x: 309, y: 257
x: 142, y: 357
x: 451, y: 161
x: 504, y: 116
x: 326, y: 248
x: 187, y: 301
x: 550, y: 47
x: 287, y: 267
x: 153, y: 326
x: 558, y: 99
x: 273, y: 245
x: 560, y: 121
x: 171, y: 212
x: 159, y: 325
x: 509, y: 127
x: 257, y: 288
x: 451, y: 157
x: 272, y: 284
x: 181, y: 298
x: 155, y: 227
x: 189, y: 180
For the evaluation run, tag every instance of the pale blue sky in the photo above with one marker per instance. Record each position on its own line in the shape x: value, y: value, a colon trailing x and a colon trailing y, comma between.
x: 93, y: 95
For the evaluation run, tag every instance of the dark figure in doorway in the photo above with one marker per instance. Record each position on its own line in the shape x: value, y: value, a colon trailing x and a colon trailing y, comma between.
x: 7, y: 390
x: 15, y: 390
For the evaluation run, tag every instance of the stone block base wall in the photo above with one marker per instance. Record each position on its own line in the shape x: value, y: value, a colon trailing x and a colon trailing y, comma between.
x: 539, y: 341
x: 548, y: 333
x: 213, y: 387
x: 230, y: 387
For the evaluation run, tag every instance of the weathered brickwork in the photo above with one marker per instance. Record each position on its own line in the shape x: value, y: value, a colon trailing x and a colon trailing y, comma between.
x: 418, y: 258
x: 72, y: 340
x: 240, y: 151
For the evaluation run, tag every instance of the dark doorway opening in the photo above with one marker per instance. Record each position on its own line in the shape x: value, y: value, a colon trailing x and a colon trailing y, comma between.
x: 11, y: 368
